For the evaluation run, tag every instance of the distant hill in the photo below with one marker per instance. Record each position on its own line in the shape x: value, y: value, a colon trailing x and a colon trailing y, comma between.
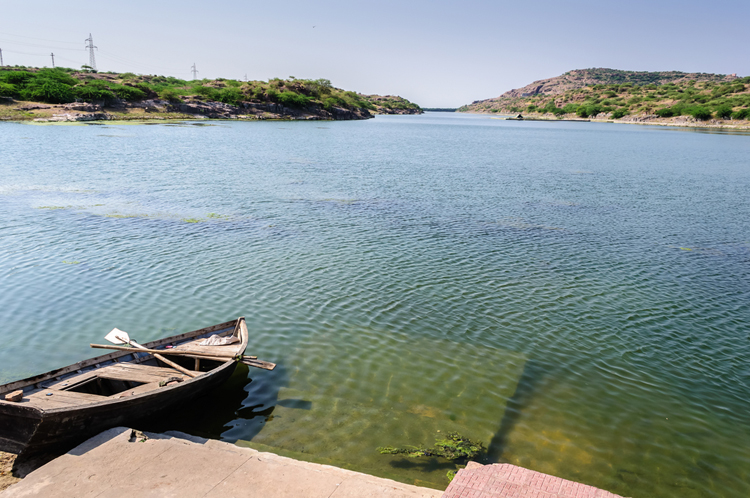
x: 613, y: 94
x: 580, y: 78
x: 63, y: 94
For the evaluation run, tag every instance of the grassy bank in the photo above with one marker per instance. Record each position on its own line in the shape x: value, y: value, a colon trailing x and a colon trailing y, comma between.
x: 112, y: 90
x: 701, y: 101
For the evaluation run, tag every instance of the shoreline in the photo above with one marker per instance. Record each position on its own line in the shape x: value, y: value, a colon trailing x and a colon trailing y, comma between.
x: 651, y: 120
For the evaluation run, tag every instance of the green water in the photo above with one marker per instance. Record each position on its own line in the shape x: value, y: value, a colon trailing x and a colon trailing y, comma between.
x: 574, y: 295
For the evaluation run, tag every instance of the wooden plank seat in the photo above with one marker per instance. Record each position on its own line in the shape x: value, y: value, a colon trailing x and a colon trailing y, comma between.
x: 47, y: 399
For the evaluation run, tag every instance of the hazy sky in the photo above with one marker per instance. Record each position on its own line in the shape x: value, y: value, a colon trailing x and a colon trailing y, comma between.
x: 435, y: 53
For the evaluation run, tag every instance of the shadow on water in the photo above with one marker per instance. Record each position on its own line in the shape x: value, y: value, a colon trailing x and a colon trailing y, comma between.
x: 239, y: 408
x: 533, y: 374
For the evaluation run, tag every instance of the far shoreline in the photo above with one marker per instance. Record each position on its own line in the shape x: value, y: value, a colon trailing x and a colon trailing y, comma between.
x: 651, y: 120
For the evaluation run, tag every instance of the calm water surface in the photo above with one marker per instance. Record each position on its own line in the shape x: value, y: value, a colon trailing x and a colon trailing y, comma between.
x: 575, y: 295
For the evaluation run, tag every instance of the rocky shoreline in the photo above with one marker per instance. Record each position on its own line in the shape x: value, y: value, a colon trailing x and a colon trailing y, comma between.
x: 643, y: 119
x: 162, y: 109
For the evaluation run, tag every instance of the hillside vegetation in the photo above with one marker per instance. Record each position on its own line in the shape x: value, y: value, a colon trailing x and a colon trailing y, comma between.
x: 617, y: 94
x: 62, y: 86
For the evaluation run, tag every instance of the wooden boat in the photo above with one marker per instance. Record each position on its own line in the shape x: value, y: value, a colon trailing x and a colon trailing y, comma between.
x: 68, y: 405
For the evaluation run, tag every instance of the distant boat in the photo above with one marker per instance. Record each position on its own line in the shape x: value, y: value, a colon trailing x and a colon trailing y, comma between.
x: 68, y: 405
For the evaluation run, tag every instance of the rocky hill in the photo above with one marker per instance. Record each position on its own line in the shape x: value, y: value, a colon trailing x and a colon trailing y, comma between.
x: 67, y: 95
x: 581, y: 78
x: 629, y: 96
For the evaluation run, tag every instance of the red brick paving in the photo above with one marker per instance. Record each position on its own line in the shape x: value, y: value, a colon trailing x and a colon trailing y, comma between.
x: 503, y: 480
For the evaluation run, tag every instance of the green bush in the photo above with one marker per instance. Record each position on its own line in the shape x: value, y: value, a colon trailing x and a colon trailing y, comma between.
x: 701, y: 113
x: 724, y: 112
x: 664, y: 112
x: 91, y: 93
x: 208, y: 92
x: 170, y: 95
x: 332, y: 102
x: 16, y: 77
x: 128, y: 92
x: 570, y: 108
x: 291, y: 99
x: 582, y: 112
x: 741, y: 114
x: 8, y: 90
x: 231, y: 96
x: 48, y: 90
x: 619, y: 113
x: 56, y: 75
x: 531, y: 108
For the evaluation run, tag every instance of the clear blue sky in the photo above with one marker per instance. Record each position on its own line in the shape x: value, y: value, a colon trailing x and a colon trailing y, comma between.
x: 436, y: 53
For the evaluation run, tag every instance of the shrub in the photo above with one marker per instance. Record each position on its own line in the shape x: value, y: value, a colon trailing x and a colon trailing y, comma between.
x: 128, y: 76
x: 724, y: 112
x: 664, y: 112
x: 331, y: 102
x: 16, y: 77
x: 582, y: 112
x: 170, y: 95
x: 570, y: 108
x: 48, y: 90
x: 531, y: 108
x: 741, y: 114
x: 291, y: 99
x: 207, y: 91
x: 90, y: 93
x: 701, y: 113
x: 618, y: 113
x: 231, y: 95
x: 7, y: 90
x: 56, y: 75
x: 128, y: 92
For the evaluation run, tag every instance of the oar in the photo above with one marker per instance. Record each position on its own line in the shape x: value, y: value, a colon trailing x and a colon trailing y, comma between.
x: 175, y: 352
x: 118, y: 336
x: 251, y: 361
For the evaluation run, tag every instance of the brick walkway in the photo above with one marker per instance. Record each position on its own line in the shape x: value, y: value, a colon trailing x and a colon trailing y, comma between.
x: 508, y: 481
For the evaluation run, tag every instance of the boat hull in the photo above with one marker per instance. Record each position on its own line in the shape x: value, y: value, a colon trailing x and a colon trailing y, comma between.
x: 29, y: 430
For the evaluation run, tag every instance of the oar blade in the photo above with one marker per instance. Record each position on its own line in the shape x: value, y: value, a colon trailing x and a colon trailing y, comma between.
x: 265, y: 365
x: 118, y: 336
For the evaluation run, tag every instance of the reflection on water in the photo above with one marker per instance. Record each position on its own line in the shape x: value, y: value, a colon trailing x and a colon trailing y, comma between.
x: 574, y: 295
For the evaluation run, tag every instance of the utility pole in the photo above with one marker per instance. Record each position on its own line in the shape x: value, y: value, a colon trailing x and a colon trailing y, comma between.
x: 90, y: 46
x: 1, y: 58
x: 245, y: 77
x: 53, y: 60
x: 194, y: 71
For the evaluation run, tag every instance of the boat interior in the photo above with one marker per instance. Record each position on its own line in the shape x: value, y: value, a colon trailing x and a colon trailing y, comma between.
x: 122, y: 374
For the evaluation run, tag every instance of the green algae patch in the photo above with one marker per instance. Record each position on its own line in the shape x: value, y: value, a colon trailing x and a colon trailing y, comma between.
x: 216, y: 216
x: 192, y: 220
x: 121, y: 216
x: 71, y: 262
x: 56, y: 207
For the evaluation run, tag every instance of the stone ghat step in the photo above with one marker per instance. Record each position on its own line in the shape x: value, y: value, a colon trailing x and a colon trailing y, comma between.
x: 508, y: 481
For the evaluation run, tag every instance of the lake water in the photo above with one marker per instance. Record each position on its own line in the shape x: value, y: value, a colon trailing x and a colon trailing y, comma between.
x: 574, y: 295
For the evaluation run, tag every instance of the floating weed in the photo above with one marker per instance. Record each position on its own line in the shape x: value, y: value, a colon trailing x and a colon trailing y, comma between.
x: 71, y: 262
x: 124, y: 216
x: 55, y: 207
x: 685, y: 248
x: 192, y: 220
x: 216, y: 216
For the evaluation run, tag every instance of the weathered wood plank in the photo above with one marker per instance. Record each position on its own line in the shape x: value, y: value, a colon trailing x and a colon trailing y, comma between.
x: 24, y: 383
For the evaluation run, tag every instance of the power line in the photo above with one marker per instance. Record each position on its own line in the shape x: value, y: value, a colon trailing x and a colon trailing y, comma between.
x: 40, y: 39
x: 90, y: 46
